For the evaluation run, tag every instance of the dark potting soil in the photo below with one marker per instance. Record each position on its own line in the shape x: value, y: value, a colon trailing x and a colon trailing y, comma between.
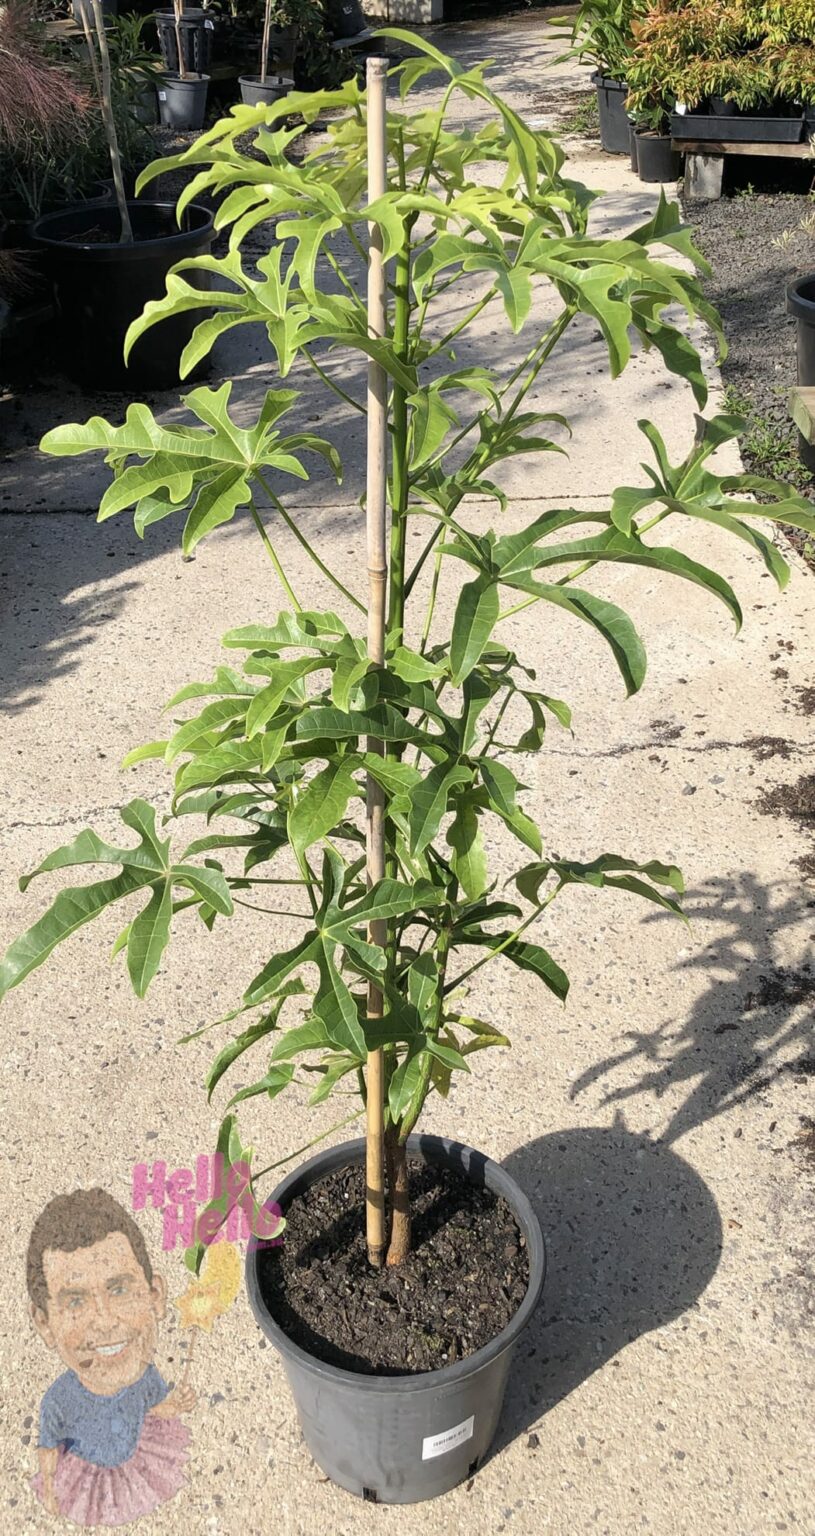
x: 464, y: 1280
x: 757, y: 242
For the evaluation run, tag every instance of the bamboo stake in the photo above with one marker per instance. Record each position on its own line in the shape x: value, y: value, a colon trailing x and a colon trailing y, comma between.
x: 126, y: 236
x: 376, y: 71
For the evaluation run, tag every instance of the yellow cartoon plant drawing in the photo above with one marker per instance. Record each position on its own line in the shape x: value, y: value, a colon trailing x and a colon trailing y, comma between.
x: 112, y: 1446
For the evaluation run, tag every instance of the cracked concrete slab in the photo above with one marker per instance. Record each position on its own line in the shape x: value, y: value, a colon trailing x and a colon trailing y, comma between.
x: 655, y: 1120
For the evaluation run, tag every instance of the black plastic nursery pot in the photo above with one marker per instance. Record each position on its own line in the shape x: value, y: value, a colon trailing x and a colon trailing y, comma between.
x: 196, y: 29
x: 656, y: 159
x: 611, y: 99
x: 182, y: 103
x: 345, y: 18
x: 255, y: 91
x: 801, y: 305
x: 741, y: 128
x: 101, y: 285
x: 399, y: 1439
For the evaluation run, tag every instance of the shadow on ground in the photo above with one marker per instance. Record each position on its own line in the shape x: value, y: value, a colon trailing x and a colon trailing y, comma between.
x: 751, y: 1024
x: 633, y: 1238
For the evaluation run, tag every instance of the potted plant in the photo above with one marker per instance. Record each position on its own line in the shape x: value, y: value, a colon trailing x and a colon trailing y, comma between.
x: 351, y: 759
x: 649, y: 111
x: 728, y: 66
x: 185, y: 37
x: 263, y: 87
x: 107, y: 261
x: 136, y: 69
x: 601, y: 35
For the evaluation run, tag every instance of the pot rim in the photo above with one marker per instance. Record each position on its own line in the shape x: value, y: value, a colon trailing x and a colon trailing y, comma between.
x: 273, y: 81
x: 797, y: 303
x: 203, y: 221
x: 173, y: 78
x: 446, y: 1151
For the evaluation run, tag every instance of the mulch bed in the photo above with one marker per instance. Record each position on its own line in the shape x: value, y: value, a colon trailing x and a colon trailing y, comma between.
x: 464, y: 1280
x: 756, y: 243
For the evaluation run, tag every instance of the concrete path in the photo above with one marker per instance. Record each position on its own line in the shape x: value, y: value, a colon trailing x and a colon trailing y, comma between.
x: 656, y: 1122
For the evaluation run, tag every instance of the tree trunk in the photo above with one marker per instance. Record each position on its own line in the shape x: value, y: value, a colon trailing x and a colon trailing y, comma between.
x: 396, y: 1158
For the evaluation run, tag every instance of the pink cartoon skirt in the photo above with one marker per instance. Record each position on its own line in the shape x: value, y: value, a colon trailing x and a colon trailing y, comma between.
x: 91, y: 1495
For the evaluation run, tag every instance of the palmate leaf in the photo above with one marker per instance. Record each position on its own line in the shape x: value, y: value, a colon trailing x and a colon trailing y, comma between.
x: 692, y: 489
x: 146, y: 868
x: 607, y: 870
x: 208, y: 468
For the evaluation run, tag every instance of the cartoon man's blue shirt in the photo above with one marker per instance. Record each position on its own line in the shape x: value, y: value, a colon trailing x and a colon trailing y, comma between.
x: 102, y: 1430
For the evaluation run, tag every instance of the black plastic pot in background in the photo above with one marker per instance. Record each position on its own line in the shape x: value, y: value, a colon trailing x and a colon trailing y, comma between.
x: 196, y: 40
x: 273, y: 88
x: 17, y: 234
x: 656, y: 159
x: 344, y: 18
x: 744, y: 128
x: 801, y: 305
x: 401, y: 1439
x: 611, y: 98
x: 101, y: 285
x: 182, y: 103
x: 718, y: 107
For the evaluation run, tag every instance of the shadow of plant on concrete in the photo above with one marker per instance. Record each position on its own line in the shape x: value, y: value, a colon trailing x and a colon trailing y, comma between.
x: 752, y: 1023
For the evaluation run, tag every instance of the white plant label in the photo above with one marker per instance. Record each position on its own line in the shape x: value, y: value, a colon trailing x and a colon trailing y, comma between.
x: 436, y: 1445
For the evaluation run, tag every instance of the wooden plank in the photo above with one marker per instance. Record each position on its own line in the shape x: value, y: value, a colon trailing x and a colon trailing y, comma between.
x: 763, y: 151
x: 802, y: 409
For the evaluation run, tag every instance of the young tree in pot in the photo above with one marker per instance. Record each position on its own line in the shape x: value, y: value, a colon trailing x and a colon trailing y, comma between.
x: 415, y: 722
x: 182, y: 97
x: 108, y: 262
x: 261, y: 88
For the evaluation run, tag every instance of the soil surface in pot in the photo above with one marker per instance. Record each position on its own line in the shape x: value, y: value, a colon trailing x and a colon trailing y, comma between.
x: 464, y: 1280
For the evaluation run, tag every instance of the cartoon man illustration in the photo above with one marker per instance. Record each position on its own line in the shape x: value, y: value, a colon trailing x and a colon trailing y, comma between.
x: 111, y: 1445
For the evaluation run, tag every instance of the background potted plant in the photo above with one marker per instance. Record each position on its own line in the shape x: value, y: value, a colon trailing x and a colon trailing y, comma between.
x: 601, y: 35
x: 728, y: 65
x: 107, y: 261
x: 265, y: 86
x: 656, y: 158
x: 185, y: 37
x: 649, y: 110
x: 354, y: 761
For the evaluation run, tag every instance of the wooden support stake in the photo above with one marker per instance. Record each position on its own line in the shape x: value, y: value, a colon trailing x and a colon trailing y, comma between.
x: 376, y: 72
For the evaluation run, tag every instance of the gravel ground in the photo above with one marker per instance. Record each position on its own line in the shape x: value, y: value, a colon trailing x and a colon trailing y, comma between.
x: 756, y: 244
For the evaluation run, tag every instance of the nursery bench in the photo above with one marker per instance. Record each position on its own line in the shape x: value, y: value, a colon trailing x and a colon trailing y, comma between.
x: 704, y: 161
x: 353, y: 42
x: 802, y: 410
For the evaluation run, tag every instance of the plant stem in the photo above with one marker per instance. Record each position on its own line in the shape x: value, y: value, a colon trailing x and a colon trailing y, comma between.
x: 499, y: 948
x: 303, y: 541
x: 271, y: 552
x: 398, y: 1186
x: 264, y: 46
x: 178, y: 8
x: 126, y: 235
